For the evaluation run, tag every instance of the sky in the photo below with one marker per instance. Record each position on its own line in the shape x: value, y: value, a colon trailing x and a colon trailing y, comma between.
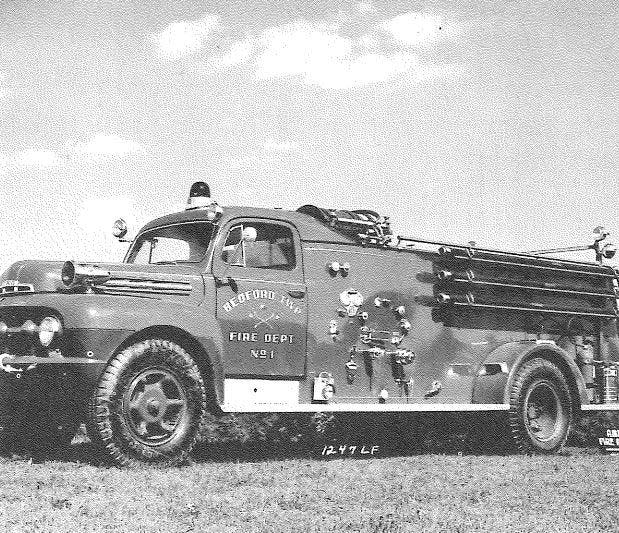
x: 472, y: 120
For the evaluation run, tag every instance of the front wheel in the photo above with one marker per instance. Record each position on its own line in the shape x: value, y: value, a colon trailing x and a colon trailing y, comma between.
x: 540, y: 408
x: 150, y: 404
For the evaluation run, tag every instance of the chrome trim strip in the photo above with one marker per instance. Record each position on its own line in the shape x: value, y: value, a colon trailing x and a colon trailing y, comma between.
x: 127, y: 291
x: 146, y: 286
x: 35, y: 360
x: 341, y: 251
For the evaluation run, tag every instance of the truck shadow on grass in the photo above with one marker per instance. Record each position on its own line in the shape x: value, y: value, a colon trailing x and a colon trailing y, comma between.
x: 324, y: 436
x: 328, y: 436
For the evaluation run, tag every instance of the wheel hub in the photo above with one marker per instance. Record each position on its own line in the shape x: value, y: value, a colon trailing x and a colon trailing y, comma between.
x: 154, y: 406
x: 542, y: 407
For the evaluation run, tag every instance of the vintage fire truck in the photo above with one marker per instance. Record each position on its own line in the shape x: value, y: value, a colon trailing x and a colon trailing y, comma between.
x: 218, y: 310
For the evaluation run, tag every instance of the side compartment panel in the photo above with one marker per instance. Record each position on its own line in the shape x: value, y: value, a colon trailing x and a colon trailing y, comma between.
x: 366, y: 323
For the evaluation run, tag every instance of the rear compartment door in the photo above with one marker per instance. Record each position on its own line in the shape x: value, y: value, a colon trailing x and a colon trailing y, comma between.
x: 261, y: 299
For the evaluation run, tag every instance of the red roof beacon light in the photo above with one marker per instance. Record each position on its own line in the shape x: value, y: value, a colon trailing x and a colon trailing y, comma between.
x: 200, y: 198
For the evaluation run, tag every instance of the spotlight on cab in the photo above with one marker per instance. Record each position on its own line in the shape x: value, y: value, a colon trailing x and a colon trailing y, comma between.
x: 600, y: 233
x: 608, y: 251
x: 120, y: 228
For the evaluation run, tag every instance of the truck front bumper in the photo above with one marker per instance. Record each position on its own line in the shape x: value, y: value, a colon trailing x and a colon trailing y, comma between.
x: 81, y: 349
x: 16, y: 364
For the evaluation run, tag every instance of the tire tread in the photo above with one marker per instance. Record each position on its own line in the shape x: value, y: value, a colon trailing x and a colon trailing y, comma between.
x: 100, y: 409
x: 519, y: 437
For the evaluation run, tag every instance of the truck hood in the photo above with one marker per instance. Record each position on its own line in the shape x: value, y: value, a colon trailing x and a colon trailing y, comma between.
x: 44, y: 276
x: 31, y: 276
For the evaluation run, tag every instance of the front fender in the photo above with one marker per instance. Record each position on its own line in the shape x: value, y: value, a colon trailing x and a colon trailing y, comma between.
x: 102, y: 322
x: 494, y: 387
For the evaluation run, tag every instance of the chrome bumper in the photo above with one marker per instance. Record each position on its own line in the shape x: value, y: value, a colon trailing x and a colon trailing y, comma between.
x: 16, y: 364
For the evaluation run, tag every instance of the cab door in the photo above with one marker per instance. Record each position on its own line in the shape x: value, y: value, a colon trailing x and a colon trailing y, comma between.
x: 261, y: 299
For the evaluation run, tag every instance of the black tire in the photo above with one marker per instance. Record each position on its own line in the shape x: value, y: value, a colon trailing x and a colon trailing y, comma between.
x: 150, y: 405
x: 540, y: 408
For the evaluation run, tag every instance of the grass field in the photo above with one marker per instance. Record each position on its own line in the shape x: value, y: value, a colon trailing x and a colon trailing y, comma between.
x: 574, y: 491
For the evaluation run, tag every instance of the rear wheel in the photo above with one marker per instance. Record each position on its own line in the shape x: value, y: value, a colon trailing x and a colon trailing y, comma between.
x: 150, y: 404
x: 540, y: 408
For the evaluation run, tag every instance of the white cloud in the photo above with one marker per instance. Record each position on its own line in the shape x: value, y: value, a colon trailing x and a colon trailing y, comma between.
x: 100, y: 213
x: 271, y: 145
x: 367, y: 41
x: 105, y: 145
x: 42, y: 158
x: 328, y: 55
x: 239, y: 52
x: 300, y: 48
x: 29, y: 158
x: 98, y: 146
x: 186, y: 37
x: 323, y: 57
x: 365, y: 69
x: 414, y: 29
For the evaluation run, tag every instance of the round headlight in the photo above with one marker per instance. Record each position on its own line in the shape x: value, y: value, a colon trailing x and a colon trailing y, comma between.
x: 50, y: 325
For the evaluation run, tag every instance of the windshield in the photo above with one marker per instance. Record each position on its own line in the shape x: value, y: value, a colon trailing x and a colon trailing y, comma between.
x: 178, y: 243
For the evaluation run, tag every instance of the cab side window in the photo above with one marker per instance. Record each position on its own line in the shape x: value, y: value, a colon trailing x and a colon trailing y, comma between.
x: 260, y: 245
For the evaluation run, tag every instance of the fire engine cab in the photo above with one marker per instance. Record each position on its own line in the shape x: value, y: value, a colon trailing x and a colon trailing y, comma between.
x: 228, y: 309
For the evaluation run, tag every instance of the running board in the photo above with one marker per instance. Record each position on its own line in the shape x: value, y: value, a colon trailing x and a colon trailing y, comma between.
x: 361, y: 408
